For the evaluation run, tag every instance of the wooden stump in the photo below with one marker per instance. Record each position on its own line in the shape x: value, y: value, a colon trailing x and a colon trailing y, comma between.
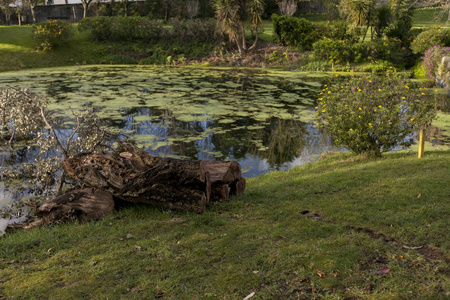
x: 83, y: 205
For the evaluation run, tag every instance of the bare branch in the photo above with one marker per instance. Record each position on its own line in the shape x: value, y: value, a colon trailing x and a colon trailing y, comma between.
x: 74, y: 131
x: 44, y: 118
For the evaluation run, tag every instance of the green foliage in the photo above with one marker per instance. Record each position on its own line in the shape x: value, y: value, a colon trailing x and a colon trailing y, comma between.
x: 382, y: 19
x: 138, y: 29
x: 123, y: 29
x: 401, y: 24
x: 434, y: 36
x: 51, y: 34
x: 295, y: 32
x: 371, y: 115
x: 359, y: 12
x: 338, y: 51
x: 193, y: 30
x: 233, y: 16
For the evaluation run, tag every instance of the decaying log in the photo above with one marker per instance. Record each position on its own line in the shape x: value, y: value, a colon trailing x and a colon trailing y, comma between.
x: 136, y: 176
x: 85, y: 204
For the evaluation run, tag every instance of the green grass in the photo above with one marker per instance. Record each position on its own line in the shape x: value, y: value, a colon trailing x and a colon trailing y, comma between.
x: 428, y: 17
x: 360, y: 215
x: 17, y: 51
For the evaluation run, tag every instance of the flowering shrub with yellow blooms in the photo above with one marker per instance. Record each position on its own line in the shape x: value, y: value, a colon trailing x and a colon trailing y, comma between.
x: 51, y: 34
x: 372, y: 115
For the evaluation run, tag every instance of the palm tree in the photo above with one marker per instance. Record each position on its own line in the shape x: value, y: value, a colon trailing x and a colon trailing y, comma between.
x: 233, y: 16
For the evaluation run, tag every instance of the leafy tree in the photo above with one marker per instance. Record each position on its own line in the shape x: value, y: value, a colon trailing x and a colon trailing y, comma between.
x: 31, y: 4
x: 402, y: 11
x: 382, y: 19
x: 234, y: 15
x: 85, y: 4
x: 7, y: 8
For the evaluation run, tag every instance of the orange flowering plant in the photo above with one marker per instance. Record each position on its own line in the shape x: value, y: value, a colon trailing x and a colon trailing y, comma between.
x: 51, y: 34
x: 372, y: 115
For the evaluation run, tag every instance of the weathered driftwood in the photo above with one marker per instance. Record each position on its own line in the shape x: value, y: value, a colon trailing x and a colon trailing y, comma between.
x: 138, y: 177
x: 84, y: 204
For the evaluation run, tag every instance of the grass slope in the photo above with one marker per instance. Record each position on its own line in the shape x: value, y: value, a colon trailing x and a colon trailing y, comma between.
x: 317, y: 231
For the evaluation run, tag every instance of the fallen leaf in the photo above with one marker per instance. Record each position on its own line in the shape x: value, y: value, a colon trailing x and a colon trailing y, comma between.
x: 420, y: 195
x: 50, y: 250
x: 255, y: 272
x: 129, y: 236
x: 367, y: 287
x: 320, y: 273
x: 249, y: 296
x: 381, y: 271
x: 138, y: 248
x: 335, y: 274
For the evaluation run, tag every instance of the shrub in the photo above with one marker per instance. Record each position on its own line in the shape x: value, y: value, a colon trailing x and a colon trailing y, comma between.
x: 432, y: 60
x: 123, y: 29
x: 198, y: 30
x: 126, y: 29
x: 338, y: 51
x: 386, y: 49
x: 51, y: 34
x: 371, y: 115
x: 339, y: 30
x: 429, y: 38
x: 295, y: 32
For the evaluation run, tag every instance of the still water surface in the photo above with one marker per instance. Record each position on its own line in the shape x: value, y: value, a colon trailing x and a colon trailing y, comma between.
x: 262, y: 119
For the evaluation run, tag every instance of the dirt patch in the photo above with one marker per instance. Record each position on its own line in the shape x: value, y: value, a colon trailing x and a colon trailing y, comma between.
x: 432, y: 253
x: 371, y: 233
x: 311, y: 214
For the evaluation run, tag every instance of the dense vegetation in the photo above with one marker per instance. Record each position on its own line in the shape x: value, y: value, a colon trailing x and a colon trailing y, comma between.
x: 360, y: 44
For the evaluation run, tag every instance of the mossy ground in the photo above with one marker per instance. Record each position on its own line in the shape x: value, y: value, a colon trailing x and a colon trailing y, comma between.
x: 317, y: 231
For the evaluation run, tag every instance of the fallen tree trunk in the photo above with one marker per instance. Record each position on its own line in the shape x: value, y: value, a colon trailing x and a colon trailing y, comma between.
x: 136, y: 176
x: 83, y: 204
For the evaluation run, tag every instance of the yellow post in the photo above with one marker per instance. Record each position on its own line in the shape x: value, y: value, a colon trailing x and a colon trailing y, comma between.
x: 421, y: 142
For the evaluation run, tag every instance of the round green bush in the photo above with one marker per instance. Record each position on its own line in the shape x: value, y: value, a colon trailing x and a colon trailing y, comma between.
x: 372, y: 115
x: 435, y: 36
x: 51, y: 34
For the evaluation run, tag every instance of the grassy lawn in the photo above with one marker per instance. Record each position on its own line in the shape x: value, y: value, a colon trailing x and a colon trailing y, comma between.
x: 428, y: 17
x: 324, y: 230
x: 17, y: 51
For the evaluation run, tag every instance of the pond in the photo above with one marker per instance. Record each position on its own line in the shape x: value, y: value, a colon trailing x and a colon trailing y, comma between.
x: 263, y: 119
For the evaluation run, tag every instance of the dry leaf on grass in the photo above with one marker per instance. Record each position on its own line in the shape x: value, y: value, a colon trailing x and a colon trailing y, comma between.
x: 320, y: 273
x: 381, y: 271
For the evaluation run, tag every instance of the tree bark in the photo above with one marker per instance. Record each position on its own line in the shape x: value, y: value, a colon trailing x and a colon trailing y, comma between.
x: 83, y: 205
x: 135, y: 176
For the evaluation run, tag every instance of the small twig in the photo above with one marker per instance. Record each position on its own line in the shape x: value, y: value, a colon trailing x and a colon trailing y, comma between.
x: 61, y: 182
x: 11, y: 140
x: 412, y: 248
x: 69, y: 140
